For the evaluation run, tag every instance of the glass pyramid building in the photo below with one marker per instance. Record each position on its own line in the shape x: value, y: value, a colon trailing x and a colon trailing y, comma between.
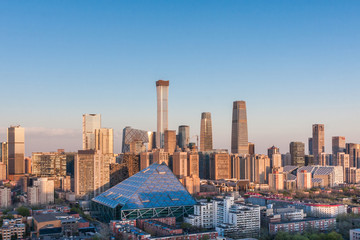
x: 153, y: 192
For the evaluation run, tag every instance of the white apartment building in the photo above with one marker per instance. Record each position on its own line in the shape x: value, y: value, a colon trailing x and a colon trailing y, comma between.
x: 42, y: 192
x: 5, y: 197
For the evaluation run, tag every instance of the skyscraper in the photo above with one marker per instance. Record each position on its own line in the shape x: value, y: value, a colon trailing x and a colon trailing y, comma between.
x: 239, y: 133
x: 338, y: 145
x: 16, y: 150
x: 162, y: 90
x: 90, y: 123
x: 353, y: 149
x: 310, y: 146
x: 104, y: 140
x: 206, y: 143
x: 183, y: 136
x: 318, y: 140
x: 297, y: 151
x: 133, y: 136
x: 273, y: 150
x: 170, y: 141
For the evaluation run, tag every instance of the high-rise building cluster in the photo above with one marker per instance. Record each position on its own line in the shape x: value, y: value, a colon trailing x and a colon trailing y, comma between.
x: 162, y: 170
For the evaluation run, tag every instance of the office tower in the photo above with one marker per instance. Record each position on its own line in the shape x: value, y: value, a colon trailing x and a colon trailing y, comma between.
x: 152, y: 141
x: 162, y: 91
x: 4, y: 156
x: 239, y: 132
x: 310, y: 146
x: 193, y: 163
x: 297, y: 151
x: 16, y: 150
x: 325, y: 159
x: 104, y: 140
x: 251, y: 148
x: 206, y: 142
x: 28, y: 169
x: 159, y: 156
x: 318, y: 140
x: 309, y: 160
x: 338, y: 144
x: 261, y: 168
x: 3, y: 175
x: 303, y: 179
x: 353, y: 149
x: 273, y: 150
x: 90, y: 123
x: 220, y: 166
x: 343, y: 160
x: 170, y: 141
x: 184, y: 136
x: 192, y: 184
x: 5, y: 199
x: 235, y: 166
x: 276, y: 161
x: 180, y: 164
x: 286, y: 159
x: 135, y: 137
x: 49, y: 164
x: 204, y: 165
x: 276, y: 180
x: 92, y: 173
x: 41, y: 192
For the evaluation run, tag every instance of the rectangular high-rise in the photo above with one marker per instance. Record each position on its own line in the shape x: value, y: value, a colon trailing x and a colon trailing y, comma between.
x: 338, y: 145
x: 353, y: 149
x: 90, y: 123
x: 104, y: 140
x: 184, y: 136
x: 318, y: 140
x: 297, y: 151
x: 162, y: 91
x: 239, y: 132
x: 206, y: 141
x: 16, y: 150
x: 170, y: 141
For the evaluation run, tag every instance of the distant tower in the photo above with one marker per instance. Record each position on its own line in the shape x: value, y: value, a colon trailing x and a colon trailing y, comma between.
x: 297, y: 151
x: 310, y: 146
x: 318, y: 141
x: 273, y: 150
x: 90, y: 123
x: 206, y: 143
x: 16, y: 150
x: 239, y: 133
x: 338, y: 146
x: 104, y: 140
x: 162, y: 90
x: 183, y: 136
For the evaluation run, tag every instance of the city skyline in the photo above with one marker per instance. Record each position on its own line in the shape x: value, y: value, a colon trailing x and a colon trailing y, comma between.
x: 292, y: 65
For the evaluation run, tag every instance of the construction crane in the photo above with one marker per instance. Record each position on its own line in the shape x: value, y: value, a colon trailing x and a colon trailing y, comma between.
x: 197, y: 140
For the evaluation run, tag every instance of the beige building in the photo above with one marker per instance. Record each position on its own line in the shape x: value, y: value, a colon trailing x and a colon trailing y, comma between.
x: 180, y: 164
x: 170, y: 141
x: 304, y: 180
x: 92, y: 173
x: 343, y: 159
x: 353, y: 175
x: 3, y: 174
x: 41, y: 192
x: 4, y: 156
x: 104, y: 140
x: 276, y: 160
x: 276, y: 180
x: 5, y: 197
x: 160, y: 156
x: 192, y: 163
x: 220, y: 166
x: 16, y: 150
x: 261, y: 168
x: 191, y: 183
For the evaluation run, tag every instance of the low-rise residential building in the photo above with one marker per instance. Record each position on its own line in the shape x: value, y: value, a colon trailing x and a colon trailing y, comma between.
x: 320, y: 224
x: 12, y: 227
x: 355, y: 234
x: 325, y: 210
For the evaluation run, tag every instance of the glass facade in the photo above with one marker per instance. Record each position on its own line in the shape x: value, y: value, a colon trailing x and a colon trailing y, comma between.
x: 155, y: 188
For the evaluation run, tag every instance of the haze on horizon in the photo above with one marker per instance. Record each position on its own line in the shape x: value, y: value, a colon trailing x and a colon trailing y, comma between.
x: 294, y: 63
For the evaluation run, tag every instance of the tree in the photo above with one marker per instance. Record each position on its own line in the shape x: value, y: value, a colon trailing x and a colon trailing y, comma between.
x: 23, y: 211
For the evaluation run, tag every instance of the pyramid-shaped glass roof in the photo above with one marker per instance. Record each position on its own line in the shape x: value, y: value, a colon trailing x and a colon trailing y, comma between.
x: 153, y: 187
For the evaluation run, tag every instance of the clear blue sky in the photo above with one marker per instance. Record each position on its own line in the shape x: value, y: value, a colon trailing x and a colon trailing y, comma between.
x: 295, y: 63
